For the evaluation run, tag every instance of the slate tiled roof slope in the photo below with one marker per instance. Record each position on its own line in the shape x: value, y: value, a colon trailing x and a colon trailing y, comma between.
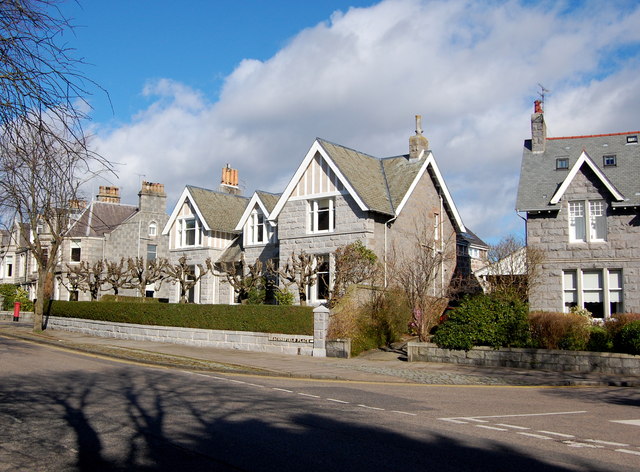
x: 380, y: 183
x: 268, y: 199
x: 539, y: 179
x: 100, y: 218
x: 221, y: 211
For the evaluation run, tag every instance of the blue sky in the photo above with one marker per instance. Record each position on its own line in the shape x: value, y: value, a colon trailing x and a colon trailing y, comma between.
x: 252, y: 83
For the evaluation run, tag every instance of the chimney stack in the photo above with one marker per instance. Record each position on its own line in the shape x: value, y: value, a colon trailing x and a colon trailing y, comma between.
x: 109, y: 194
x: 418, y: 144
x: 151, y: 197
x: 229, y: 181
x: 538, y: 128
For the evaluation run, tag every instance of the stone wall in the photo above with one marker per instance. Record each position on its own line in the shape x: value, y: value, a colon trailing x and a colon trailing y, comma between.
x: 543, y: 359
x: 240, y: 340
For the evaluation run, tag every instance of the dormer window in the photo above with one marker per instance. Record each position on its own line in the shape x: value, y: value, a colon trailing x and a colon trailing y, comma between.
x: 257, y: 231
x: 188, y: 232
x: 633, y: 139
x: 609, y: 160
x: 562, y: 163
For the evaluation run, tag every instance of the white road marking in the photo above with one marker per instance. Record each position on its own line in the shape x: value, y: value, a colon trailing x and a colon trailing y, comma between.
x: 236, y: 381
x: 556, y: 434
x: 532, y: 435
x: 490, y: 427
x: 530, y: 414
x: 282, y: 389
x: 581, y: 444
x: 404, y: 413
x: 476, y: 420
x: 308, y: 395
x: 255, y: 385
x: 371, y: 407
x: 631, y: 422
x: 453, y: 420
x: 627, y: 451
x: 606, y: 443
x: 512, y: 426
x: 336, y: 400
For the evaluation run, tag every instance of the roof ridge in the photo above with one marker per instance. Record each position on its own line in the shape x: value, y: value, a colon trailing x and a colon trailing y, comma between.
x: 346, y: 147
x: 217, y: 192
x: 594, y: 135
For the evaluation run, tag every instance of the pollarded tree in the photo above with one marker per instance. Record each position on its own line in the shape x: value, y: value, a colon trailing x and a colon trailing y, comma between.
x: 300, y: 270
x: 141, y: 273
x: 117, y: 275
x: 241, y: 276
x: 186, y: 276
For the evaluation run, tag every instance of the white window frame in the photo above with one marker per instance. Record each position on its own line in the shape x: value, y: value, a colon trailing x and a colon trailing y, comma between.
x: 75, y: 244
x: 312, y: 291
x: 153, y: 229
x: 314, y: 210
x: 183, y: 230
x: 606, y: 291
x: 257, y: 233
x: 8, y: 266
x: 587, y: 221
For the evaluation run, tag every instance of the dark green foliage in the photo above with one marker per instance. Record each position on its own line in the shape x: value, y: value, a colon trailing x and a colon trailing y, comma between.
x: 11, y: 293
x: 258, y: 318
x: 599, y: 340
x: 485, y: 320
x: 628, y: 338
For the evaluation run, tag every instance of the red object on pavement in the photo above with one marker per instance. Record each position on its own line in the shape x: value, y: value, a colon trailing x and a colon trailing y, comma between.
x: 16, y: 311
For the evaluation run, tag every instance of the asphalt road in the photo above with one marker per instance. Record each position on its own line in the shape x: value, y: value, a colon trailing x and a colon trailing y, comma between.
x: 66, y: 411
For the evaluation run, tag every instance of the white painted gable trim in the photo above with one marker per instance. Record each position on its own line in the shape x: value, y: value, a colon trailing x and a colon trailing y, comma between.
x: 186, y: 195
x: 316, y: 148
x: 255, y: 200
x: 430, y: 161
x: 584, y: 158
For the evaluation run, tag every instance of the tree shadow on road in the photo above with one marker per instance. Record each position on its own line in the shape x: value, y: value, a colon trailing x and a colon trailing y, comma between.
x: 131, y: 418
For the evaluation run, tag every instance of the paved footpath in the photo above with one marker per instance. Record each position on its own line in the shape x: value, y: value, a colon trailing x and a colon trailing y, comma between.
x: 373, y: 366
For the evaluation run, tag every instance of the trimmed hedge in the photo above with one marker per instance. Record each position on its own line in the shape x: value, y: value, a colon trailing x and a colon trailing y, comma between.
x: 257, y: 318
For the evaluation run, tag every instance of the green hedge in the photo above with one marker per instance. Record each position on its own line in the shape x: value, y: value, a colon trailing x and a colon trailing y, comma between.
x: 258, y: 318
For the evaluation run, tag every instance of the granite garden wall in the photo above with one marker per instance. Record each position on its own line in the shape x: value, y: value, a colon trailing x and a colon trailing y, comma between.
x: 543, y: 359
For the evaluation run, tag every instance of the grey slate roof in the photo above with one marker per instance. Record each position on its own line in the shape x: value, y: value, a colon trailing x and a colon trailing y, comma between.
x: 380, y: 183
x: 539, y: 179
x: 100, y: 218
x: 221, y: 211
x: 269, y: 199
x: 471, y: 238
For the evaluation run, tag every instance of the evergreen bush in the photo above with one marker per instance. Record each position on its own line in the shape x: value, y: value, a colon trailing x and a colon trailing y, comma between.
x: 494, y: 320
x: 628, y: 338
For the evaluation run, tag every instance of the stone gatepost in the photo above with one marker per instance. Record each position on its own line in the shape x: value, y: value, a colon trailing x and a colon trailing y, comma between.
x: 320, y: 329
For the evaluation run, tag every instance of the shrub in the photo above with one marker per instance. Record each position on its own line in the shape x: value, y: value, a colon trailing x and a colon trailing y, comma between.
x: 259, y: 318
x: 599, y: 340
x: 377, y: 322
x: 618, y: 321
x: 552, y: 330
x: 492, y: 320
x: 127, y: 298
x: 11, y: 293
x: 284, y: 297
x: 628, y: 338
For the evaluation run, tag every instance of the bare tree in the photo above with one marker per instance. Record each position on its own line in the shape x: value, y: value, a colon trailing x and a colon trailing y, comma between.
x: 241, y: 276
x: 44, y: 154
x: 184, y: 274
x: 354, y: 264
x: 300, y: 270
x: 117, y: 276
x: 418, y: 271
x: 142, y: 273
x: 71, y: 280
x: 513, y: 268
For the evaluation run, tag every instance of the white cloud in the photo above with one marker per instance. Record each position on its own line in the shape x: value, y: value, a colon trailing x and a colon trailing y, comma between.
x: 470, y: 68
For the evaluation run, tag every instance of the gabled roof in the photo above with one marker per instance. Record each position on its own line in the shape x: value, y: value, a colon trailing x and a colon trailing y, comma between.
x: 100, y: 218
x: 472, y: 239
x: 218, y: 211
x: 542, y: 185
x: 265, y: 200
x: 379, y: 185
x: 584, y: 159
